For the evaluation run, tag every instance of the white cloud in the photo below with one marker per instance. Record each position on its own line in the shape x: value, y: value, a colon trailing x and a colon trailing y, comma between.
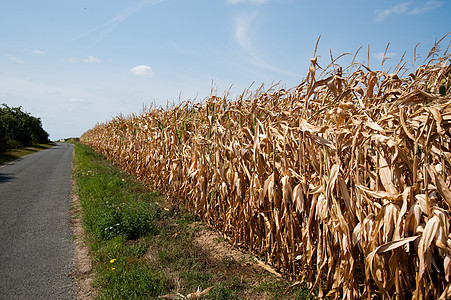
x: 380, y: 55
x: 38, y: 52
x: 92, y: 59
x: 256, y: 2
x: 397, y: 9
x: 67, y: 110
x: 89, y: 59
x: 104, y: 29
x: 242, y: 35
x: 76, y: 100
x: 46, y: 101
x: 242, y: 26
x: 406, y: 8
x: 427, y: 6
x: 14, y: 59
x: 142, y: 70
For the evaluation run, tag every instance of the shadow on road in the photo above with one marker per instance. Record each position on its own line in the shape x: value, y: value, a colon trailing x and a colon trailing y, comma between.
x: 5, y: 177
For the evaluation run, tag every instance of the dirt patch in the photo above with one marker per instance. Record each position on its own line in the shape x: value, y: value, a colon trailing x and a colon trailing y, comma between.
x: 232, y: 272
x: 217, y: 246
x: 83, y: 272
x: 232, y: 262
x: 220, y: 249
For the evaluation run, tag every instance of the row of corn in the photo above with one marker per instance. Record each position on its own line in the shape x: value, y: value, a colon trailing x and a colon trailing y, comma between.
x: 342, y: 182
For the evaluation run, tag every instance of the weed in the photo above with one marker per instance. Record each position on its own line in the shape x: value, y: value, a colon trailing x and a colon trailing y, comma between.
x: 109, y: 210
x: 221, y: 292
x: 131, y: 281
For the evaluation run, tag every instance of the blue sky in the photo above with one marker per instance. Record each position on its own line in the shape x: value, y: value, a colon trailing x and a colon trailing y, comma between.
x: 77, y: 63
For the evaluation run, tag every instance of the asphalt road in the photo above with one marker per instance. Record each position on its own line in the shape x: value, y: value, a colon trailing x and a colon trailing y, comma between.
x: 36, y: 245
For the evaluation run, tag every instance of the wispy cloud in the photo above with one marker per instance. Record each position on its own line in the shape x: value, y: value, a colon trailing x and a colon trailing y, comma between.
x: 89, y: 59
x: 255, y: 2
x: 92, y: 59
x: 109, y: 25
x: 37, y: 52
x: 142, y: 70
x: 408, y: 8
x: 380, y: 55
x: 427, y: 6
x: 15, y: 59
x: 57, y: 105
x: 243, y: 25
x: 76, y: 100
x: 397, y: 10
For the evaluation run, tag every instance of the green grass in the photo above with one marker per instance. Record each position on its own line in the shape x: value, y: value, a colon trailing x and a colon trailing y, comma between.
x: 119, y: 219
x: 141, y: 249
x: 12, y: 154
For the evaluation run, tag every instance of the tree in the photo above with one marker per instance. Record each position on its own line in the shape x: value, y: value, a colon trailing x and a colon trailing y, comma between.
x: 18, y: 128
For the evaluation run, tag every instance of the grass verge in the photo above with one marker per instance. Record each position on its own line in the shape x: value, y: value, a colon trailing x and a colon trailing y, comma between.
x: 13, y: 154
x: 143, y: 247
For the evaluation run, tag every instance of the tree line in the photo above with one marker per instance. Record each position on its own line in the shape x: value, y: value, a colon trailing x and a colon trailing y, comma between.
x: 19, y: 128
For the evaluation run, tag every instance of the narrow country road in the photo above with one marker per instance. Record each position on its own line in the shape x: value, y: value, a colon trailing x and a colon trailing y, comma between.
x: 36, y: 245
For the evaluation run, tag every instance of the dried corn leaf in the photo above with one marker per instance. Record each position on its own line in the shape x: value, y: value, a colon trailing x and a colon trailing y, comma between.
x: 442, y: 187
x: 396, y: 244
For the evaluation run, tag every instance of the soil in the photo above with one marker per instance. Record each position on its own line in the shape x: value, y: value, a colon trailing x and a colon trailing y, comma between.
x: 83, y: 273
x: 232, y: 262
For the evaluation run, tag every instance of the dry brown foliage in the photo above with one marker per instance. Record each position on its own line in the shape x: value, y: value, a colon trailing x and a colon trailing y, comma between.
x: 342, y: 183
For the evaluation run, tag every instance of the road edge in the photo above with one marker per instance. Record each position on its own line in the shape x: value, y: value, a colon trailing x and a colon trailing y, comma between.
x: 83, y: 273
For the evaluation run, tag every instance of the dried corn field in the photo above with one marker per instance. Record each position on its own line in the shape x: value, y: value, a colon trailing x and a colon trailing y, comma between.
x: 342, y: 182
